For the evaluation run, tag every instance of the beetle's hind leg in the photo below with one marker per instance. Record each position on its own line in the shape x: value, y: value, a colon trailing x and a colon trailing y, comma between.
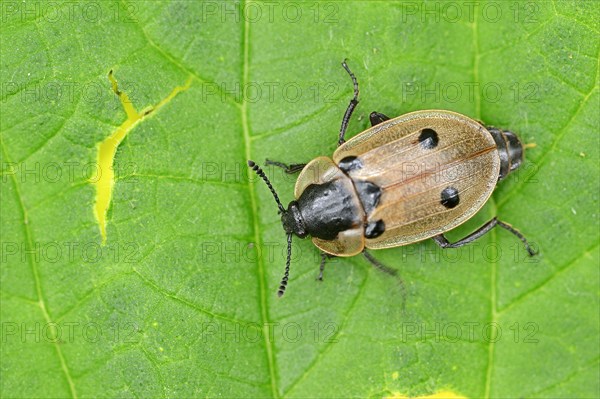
x: 289, y: 169
x: 376, y: 118
x: 444, y: 243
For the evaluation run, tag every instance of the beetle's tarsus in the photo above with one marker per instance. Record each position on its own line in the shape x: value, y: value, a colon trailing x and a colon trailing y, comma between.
x: 521, y: 237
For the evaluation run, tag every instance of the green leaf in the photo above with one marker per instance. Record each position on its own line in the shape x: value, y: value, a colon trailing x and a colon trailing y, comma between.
x: 180, y: 300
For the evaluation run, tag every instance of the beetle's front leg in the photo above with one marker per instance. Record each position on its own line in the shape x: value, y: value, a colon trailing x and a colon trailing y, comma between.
x: 444, y: 243
x: 289, y: 169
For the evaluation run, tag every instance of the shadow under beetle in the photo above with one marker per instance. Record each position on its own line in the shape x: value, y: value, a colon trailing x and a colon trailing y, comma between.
x: 401, y: 181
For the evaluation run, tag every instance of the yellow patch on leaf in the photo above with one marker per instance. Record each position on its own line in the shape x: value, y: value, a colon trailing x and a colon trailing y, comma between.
x: 108, y: 148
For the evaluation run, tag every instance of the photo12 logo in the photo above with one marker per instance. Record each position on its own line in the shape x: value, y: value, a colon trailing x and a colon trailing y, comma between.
x: 69, y: 332
x: 69, y: 251
x: 469, y: 11
x: 270, y: 11
x: 465, y: 331
x: 271, y: 92
x: 453, y: 92
x: 290, y: 332
x: 68, y: 11
x: 67, y: 171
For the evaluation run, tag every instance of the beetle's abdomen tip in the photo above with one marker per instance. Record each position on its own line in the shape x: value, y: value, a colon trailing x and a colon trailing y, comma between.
x: 515, y: 149
x: 510, y: 150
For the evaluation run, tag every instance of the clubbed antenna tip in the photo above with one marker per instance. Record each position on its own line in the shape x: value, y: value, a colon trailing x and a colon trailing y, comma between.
x: 286, y: 275
x: 262, y: 174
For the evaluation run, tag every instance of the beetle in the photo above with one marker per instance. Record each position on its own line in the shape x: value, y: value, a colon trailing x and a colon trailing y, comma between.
x: 399, y: 182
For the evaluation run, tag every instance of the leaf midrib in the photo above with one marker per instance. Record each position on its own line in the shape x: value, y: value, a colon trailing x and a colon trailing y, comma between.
x: 262, y: 282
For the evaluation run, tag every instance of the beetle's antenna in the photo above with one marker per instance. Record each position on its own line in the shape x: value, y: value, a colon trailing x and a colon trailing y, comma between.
x: 351, y: 106
x: 260, y: 172
x: 286, y: 275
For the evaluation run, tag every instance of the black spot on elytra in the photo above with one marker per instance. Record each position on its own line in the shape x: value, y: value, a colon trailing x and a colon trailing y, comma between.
x: 450, y: 197
x: 350, y: 163
x: 428, y: 139
x: 375, y: 229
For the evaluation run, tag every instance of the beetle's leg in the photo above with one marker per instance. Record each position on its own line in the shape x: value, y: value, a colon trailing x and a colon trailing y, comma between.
x: 378, y: 265
x: 324, y: 257
x: 351, y: 106
x: 444, y: 243
x: 290, y: 169
x: 392, y: 272
x: 376, y: 118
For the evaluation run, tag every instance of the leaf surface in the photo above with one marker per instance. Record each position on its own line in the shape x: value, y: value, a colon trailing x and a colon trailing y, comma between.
x: 180, y: 300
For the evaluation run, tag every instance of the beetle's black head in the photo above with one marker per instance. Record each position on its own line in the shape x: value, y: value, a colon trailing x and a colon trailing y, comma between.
x: 292, y: 221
